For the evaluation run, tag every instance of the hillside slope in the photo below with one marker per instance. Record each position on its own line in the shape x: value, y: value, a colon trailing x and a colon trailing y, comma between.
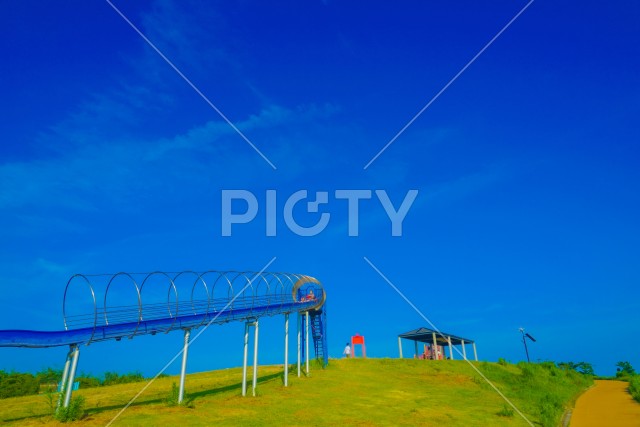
x: 371, y: 392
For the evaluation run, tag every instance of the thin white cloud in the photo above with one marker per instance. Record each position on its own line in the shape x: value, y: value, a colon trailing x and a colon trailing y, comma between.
x: 92, y: 172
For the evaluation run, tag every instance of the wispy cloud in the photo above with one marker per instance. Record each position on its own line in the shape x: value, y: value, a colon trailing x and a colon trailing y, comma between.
x: 120, y: 142
x: 191, y: 31
x: 120, y: 168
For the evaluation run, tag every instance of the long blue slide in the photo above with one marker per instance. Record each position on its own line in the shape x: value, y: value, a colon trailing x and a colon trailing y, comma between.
x: 258, y: 295
x: 215, y: 297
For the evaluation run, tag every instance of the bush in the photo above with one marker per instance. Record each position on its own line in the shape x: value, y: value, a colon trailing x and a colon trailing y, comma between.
x: 634, y: 387
x: 625, y: 370
x: 74, y: 412
x: 111, y: 378
x: 88, y: 381
x: 527, y: 371
x: 16, y: 384
x: 174, y: 395
x: 580, y: 367
x: 51, y: 396
x: 49, y: 376
x: 506, y: 411
x: 551, y: 367
x: 550, y: 407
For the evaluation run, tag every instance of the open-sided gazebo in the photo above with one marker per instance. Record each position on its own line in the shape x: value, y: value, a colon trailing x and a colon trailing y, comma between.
x: 430, y: 336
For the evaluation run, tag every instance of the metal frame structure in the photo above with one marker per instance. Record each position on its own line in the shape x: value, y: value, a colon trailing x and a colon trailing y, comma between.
x: 436, y: 338
x: 230, y: 296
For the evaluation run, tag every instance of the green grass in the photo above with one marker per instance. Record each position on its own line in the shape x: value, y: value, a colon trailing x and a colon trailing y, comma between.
x: 371, y: 392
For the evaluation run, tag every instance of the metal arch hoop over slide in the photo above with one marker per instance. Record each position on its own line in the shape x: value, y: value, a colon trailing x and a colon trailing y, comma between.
x: 214, y: 297
x: 300, y: 290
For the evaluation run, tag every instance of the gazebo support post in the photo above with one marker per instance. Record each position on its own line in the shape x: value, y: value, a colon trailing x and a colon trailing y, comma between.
x: 434, y: 349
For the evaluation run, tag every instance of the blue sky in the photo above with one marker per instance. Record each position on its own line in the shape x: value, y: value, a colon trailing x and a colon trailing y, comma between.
x: 526, y: 166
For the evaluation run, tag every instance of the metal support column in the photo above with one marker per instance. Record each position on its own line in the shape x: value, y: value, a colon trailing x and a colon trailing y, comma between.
x: 434, y: 350
x: 72, y: 375
x: 475, y: 353
x: 299, y: 344
x: 255, y: 357
x: 400, y: 346
x: 464, y: 350
x: 183, y: 371
x: 450, y: 348
x: 286, y: 349
x: 306, y: 341
x: 244, y: 360
x: 65, y: 376
x: 415, y: 344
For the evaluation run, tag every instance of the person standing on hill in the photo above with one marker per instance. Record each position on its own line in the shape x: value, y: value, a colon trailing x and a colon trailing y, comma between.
x: 347, y: 351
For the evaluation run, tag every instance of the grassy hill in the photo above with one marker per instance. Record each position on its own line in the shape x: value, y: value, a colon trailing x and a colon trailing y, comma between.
x: 365, y: 392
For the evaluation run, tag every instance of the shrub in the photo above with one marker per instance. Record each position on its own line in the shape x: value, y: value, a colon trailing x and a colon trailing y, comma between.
x: 550, y: 409
x: 580, y: 367
x: 506, y: 411
x: 551, y: 367
x: 88, y: 381
x: 625, y: 370
x: 49, y: 376
x: 527, y: 372
x: 634, y: 387
x: 51, y: 396
x: 75, y: 410
x: 16, y: 384
x: 174, y: 395
x: 111, y: 378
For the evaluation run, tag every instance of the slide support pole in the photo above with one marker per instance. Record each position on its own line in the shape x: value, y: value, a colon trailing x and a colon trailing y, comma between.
x: 464, y: 351
x: 299, y: 345
x: 255, y: 357
x: 306, y: 341
x: 286, y: 349
x: 244, y: 360
x: 72, y: 375
x: 475, y: 353
x: 65, y: 376
x: 450, y: 348
x: 400, y: 346
x: 183, y: 370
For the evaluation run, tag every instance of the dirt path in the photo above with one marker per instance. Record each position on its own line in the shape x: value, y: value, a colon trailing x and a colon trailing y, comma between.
x: 606, y: 404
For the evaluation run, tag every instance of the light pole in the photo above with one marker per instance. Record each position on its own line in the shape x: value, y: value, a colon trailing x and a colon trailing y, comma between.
x: 524, y: 341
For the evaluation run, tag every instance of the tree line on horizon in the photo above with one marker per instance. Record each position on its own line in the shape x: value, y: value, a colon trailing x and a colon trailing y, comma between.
x: 15, y: 384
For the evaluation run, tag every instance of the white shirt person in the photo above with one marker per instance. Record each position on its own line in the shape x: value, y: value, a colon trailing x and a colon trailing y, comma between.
x: 347, y: 351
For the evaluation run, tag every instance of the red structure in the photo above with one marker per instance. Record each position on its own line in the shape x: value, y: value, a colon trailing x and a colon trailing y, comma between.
x: 358, y: 339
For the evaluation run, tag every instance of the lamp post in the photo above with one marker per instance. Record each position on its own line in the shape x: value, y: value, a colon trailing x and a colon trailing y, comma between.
x: 524, y: 341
